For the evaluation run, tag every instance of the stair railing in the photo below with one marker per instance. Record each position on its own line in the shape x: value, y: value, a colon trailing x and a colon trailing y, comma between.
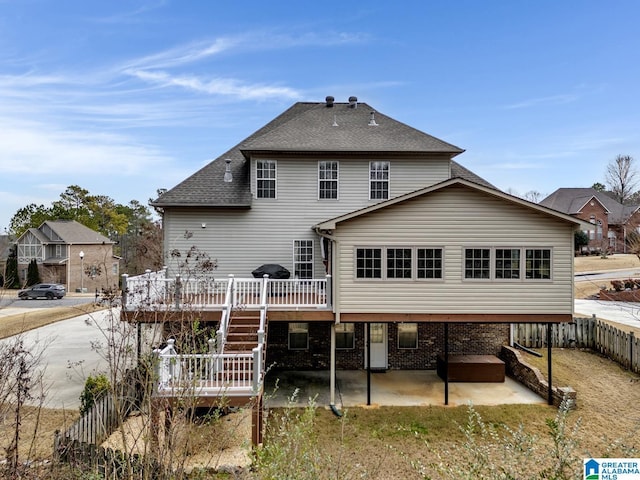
x: 221, y: 335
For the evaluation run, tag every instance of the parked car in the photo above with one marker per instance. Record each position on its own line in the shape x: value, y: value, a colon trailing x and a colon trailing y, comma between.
x: 46, y: 290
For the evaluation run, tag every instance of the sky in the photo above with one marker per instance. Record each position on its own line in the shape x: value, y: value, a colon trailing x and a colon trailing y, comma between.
x: 123, y: 98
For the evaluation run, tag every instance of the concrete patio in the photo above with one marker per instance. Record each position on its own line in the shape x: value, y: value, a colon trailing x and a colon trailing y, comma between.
x: 390, y: 388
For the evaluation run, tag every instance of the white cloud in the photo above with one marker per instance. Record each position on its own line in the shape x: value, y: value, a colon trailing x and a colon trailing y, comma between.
x: 217, y: 86
x: 542, y: 101
x: 41, y: 149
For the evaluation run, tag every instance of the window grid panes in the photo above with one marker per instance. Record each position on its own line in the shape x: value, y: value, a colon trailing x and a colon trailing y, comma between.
x: 345, y: 336
x: 303, y: 259
x: 429, y: 263
x: 369, y: 263
x: 327, y: 180
x: 407, y: 335
x: 378, y: 180
x: 538, y: 264
x: 507, y: 263
x: 399, y: 263
x: 298, y: 336
x: 266, y: 178
x: 477, y: 263
x: 376, y: 333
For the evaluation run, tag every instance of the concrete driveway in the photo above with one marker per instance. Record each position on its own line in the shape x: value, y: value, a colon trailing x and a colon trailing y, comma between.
x: 70, y: 354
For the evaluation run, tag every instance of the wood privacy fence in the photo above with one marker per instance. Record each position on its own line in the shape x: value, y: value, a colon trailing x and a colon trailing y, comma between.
x: 619, y: 346
x: 79, y: 444
x: 111, y: 464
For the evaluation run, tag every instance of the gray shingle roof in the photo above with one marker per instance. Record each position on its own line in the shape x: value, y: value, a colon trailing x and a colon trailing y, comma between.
x: 73, y: 232
x: 571, y: 201
x: 306, y: 127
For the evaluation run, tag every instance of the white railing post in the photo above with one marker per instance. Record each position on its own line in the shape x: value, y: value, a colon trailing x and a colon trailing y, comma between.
x: 257, y: 368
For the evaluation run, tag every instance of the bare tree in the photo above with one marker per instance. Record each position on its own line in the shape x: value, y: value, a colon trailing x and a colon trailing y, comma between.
x: 622, y: 177
x: 533, y: 196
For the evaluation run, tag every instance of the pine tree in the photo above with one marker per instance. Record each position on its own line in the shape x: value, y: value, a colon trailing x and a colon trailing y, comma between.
x: 11, y: 279
x: 33, y: 274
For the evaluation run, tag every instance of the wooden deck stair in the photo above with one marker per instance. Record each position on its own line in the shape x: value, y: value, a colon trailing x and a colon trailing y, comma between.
x: 242, y: 336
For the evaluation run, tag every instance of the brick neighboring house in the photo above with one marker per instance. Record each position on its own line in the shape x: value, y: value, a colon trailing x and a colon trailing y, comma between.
x: 57, y: 246
x: 611, y: 220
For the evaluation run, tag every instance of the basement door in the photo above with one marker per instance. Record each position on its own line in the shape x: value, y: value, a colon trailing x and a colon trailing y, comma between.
x: 378, y: 346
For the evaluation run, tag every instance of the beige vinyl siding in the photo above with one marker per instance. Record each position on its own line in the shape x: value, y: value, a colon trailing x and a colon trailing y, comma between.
x: 456, y: 218
x: 243, y: 239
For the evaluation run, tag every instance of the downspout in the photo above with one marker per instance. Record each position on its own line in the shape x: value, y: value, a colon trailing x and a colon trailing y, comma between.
x: 335, y: 276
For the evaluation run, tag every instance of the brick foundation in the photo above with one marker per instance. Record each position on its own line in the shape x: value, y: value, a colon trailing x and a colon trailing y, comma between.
x: 469, y: 338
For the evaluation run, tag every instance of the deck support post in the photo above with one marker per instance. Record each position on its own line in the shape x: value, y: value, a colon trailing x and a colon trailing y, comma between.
x: 368, y: 364
x: 256, y: 421
x: 550, y: 391
x: 446, y: 364
x: 155, y: 427
x: 332, y: 367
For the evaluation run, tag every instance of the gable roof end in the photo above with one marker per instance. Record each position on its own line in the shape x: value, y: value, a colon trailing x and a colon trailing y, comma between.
x: 332, y: 223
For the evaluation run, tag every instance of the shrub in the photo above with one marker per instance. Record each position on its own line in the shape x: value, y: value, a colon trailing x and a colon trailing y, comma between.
x: 94, y: 387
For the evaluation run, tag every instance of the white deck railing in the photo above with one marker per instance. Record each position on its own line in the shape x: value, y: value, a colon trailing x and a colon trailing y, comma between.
x: 218, y: 373
x: 213, y: 374
x: 155, y: 291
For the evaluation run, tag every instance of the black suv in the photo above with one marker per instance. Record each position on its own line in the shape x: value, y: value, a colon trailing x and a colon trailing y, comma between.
x: 46, y: 290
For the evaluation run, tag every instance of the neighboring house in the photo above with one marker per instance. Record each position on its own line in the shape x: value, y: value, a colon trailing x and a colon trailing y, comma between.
x: 5, y: 248
x: 397, y: 253
x: 611, y: 220
x: 69, y: 253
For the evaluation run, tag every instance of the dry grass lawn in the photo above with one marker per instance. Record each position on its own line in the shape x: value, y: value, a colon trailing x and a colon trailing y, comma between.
x: 389, y: 442
x: 23, y: 322
x: 595, y: 263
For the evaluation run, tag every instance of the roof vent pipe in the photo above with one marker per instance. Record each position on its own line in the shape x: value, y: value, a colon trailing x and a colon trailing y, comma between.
x: 329, y: 101
x: 353, y: 102
x: 372, y: 120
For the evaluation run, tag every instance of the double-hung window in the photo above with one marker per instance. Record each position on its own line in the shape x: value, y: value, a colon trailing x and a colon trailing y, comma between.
x: 538, y: 263
x: 303, y: 258
x: 507, y: 263
x: 298, y: 336
x: 345, y: 336
x: 399, y: 263
x: 266, y: 179
x: 477, y: 263
x: 407, y: 335
x: 429, y: 263
x: 369, y: 263
x: 378, y: 180
x: 327, y: 180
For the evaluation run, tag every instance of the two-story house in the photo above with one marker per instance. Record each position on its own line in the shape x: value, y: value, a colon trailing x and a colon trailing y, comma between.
x: 396, y: 253
x: 69, y: 253
x: 611, y: 220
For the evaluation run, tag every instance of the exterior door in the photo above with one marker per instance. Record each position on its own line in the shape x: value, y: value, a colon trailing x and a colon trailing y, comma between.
x: 378, y: 346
